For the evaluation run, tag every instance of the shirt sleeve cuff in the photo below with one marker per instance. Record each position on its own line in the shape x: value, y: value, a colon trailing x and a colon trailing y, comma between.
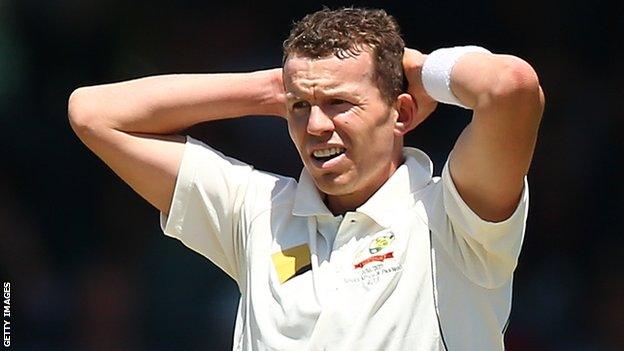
x: 172, y: 223
x: 463, y: 216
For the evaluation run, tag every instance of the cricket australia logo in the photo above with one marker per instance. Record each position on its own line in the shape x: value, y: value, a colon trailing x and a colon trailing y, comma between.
x: 377, y: 245
x: 374, y: 260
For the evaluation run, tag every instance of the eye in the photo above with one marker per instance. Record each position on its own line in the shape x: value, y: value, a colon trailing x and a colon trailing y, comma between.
x: 300, y: 105
x: 337, y: 102
x: 339, y: 105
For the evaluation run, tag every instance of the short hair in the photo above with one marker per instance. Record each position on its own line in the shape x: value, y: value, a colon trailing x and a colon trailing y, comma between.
x: 346, y: 32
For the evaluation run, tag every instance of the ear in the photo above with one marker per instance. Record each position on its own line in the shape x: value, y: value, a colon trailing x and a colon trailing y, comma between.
x: 407, y: 118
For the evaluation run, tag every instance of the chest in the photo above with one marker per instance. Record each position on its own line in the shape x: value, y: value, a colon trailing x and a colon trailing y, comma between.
x: 305, y: 274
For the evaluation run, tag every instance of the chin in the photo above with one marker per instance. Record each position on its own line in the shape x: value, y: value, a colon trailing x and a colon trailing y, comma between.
x: 335, y: 186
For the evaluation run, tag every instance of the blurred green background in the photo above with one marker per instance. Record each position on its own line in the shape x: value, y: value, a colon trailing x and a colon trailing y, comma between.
x: 89, y: 267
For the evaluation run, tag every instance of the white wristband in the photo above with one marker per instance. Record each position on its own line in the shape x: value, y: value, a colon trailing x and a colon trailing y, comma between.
x: 436, y: 72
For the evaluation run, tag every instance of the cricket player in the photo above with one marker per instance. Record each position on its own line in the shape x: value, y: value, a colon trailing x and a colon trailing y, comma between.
x: 366, y: 250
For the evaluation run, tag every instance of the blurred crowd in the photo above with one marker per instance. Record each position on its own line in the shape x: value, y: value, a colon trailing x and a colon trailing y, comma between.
x: 88, y: 264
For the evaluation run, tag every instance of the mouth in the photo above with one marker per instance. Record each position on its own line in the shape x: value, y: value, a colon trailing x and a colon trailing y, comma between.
x: 328, y: 154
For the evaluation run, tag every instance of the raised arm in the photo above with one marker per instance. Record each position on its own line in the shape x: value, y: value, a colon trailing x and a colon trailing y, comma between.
x: 493, y: 153
x: 131, y: 125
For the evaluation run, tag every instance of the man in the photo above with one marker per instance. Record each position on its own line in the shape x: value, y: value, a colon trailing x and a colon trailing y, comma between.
x: 366, y: 251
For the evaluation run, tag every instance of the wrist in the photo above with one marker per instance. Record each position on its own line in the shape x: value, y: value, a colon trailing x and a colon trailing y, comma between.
x: 437, y: 69
x: 274, y: 97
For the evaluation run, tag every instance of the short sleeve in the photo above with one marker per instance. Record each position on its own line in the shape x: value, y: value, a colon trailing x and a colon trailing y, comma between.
x: 206, y: 205
x: 487, y: 250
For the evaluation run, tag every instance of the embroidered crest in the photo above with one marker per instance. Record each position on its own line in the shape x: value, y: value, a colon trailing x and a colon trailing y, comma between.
x: 375, y: 260
x: 377, y: 245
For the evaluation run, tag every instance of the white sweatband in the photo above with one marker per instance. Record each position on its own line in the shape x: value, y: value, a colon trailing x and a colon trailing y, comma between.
x: 436, y: 72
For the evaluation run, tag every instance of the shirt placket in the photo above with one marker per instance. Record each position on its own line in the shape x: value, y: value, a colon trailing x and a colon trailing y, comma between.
x: 322, y: 233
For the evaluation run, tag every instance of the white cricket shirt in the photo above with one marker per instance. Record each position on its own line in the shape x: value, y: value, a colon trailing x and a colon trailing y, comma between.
x: 411, y: 269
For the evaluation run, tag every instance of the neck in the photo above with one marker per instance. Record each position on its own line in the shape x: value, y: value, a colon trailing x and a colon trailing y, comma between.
x: 341, y: 204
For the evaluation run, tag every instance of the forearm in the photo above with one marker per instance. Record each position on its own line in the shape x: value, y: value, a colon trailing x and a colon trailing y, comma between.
x: 493, y: 154
x: 483, y: 81
x: 169, y: 103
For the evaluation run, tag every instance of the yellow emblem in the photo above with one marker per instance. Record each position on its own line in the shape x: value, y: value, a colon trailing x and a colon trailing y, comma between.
x: 291, y: 262
x: 380, y: 243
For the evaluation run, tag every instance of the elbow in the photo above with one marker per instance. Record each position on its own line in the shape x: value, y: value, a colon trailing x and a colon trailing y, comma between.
x: 76, y: 110
x: 80, y: 109
x: 516, y: 84
x: 515, y: 77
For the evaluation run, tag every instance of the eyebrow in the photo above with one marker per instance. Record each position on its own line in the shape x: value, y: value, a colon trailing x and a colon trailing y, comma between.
x: 339, y: 93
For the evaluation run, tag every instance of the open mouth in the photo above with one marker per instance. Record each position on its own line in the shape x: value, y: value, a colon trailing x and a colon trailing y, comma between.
x: 327, y: 154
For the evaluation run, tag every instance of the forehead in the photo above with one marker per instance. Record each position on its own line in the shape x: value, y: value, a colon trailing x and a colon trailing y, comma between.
x: 351, y: 74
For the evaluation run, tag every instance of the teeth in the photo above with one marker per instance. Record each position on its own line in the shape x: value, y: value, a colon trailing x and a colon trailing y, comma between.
x: 329, y: 152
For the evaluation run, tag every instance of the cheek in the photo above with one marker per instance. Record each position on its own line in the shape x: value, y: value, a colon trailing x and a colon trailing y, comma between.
x: 383, y: 131
x: 368, y: 132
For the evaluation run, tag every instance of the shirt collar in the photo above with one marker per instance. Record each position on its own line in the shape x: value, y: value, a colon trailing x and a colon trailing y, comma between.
x: 308, y: 199
x: 411, y: 176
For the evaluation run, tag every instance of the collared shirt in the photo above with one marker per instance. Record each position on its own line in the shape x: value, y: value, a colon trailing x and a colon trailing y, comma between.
x: 413, y: 268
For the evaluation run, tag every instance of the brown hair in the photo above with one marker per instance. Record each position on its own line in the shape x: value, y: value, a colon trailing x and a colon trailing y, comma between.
x: 347, y: 32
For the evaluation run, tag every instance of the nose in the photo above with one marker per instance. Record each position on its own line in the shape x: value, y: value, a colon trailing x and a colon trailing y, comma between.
x: 319, y: 122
